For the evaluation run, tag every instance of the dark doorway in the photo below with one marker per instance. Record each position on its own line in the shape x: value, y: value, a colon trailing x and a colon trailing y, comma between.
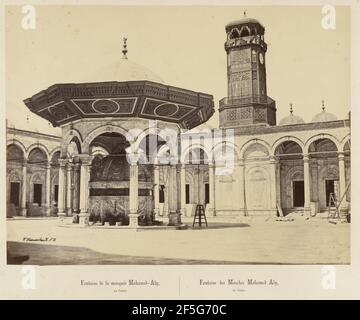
x: 37, y: 193
x: 329, y: 188
x: 14, y: 193
x: 298, y: 193
x: 161, y: 194
x: 207, y: 193
x: 56, y: 193
x: 187, y: 193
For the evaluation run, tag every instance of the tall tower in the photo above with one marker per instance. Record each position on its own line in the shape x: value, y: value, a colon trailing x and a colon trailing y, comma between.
x: 247, y: 102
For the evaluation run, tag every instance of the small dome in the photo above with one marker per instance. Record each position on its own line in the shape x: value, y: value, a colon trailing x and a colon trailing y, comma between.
x: 291, y: 119
x: 324, y: 116
x: 242, y: 21
x: 124, y: 70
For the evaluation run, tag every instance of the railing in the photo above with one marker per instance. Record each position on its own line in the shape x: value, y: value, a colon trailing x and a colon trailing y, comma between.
x: 245, y: 100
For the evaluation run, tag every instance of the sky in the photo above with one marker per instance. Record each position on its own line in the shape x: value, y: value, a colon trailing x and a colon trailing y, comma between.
x: 184, y: 45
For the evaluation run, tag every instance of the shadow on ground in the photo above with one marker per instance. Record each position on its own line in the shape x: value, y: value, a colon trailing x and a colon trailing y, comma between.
x: 218, y: 225
x: 42, y: 254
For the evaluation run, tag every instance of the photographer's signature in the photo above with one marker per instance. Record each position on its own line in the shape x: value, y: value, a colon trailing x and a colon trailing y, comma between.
x: 41, y: 239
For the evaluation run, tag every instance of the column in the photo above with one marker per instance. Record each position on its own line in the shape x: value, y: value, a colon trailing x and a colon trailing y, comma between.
x: 273, y: 164
x: 174, y: 213
x: 61, y: 196
x: 211, y: 204
x: 156, y: 190
x: 23, y: 189
x: 76, y: 193
x: 201, y: 185
x: 69, y: 186
x: 183, y: 189
x: 278, y: 185
x: 48, y: 189
x: 166, y: 174
x: 306, y: 183
x: 241, y: 165
x: 84, y: 188
x: 133, y: 195
x: 342, y: 181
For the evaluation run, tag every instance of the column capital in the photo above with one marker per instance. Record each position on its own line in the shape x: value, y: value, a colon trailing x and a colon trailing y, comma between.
x: 306, y: 157
x: 86, y: 159
x: 24, y: 163
x: 341, y: 156
x: 69, y: 166
x: 63, y: 162
x: 273, y: 159
x: 132, y: 158
x: 211, y: 164
x: 48, y: 165
x: 240, y: 162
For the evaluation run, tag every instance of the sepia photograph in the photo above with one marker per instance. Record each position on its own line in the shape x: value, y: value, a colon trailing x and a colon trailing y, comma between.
x: 177, y: 135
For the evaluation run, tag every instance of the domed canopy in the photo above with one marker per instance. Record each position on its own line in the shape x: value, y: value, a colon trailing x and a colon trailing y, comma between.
x: 245, y: 21
x: 324, y: 116
x: 124, y: 70
x: 242, y: 21
x: 291, y: 119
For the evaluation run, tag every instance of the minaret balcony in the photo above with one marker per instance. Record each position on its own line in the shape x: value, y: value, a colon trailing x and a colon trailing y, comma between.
x: 229, y: 102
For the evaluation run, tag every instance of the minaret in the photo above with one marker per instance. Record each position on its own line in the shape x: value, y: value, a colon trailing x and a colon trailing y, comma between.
x: 247, y: 102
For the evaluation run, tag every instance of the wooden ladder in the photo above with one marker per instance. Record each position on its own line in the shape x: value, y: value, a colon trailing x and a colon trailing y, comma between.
x: 332, y: 203
x: 199, y: 215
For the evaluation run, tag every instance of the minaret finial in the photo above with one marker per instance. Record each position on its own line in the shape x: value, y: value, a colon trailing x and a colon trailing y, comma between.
x: 125, y: 48
x: 291, y: 108
x: 323, y: 105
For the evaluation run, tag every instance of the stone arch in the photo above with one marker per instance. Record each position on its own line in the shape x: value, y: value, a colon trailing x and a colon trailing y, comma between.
x: 18, y: 144
x: 190, y: 148
x: 37, y: 177
x: 163, y: 155
x: 279, y: 141
x: 52, y: 153
x: 234, y: 33
x: 254, y: 141
x: 287, y: 195
x: 38, y: 146
x: 98, y: 131
x: 150, y: 131
x: 343, y: 142
x: 68, y: 137
x: 244, y: 31
x: 77, y: 144
x: 220, y: 145
x: 321, y: 136
x: 330, y: 171
x: 149, y: 155
x: 99, y: 150
x: 14, y: 175
x: 257, y: 178
x: 292, y: 172
x: 55, y: 156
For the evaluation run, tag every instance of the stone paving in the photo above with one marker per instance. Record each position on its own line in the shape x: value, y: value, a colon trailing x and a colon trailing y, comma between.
x: 250, y: 240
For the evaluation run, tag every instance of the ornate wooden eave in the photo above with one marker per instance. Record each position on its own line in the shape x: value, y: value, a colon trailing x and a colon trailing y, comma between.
x: 64, y: 103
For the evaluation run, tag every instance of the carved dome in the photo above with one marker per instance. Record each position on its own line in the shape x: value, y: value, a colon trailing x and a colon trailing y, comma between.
x: 124, y: 70
x: 324, y: 116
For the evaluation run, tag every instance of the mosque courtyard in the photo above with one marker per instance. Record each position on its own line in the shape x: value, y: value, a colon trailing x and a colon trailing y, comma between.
x: 251, y: 240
